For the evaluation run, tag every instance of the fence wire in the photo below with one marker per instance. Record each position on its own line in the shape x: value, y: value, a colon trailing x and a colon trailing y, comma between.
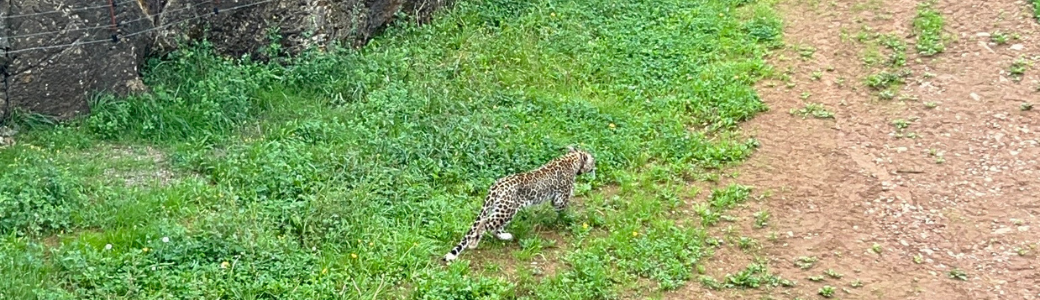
x: 59, y: 10
x: 105, y: 25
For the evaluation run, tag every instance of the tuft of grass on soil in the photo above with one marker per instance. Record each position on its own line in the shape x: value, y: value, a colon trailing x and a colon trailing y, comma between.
x: 928, y: 25
x: 806, y: 262
x: 876, y: 45
x: 998, y: 37
x: 761, y: 218
x: 876, y: 248
x: 348, y: 174
x: 827, y: 291
x: 1018, y: 68
x: 856, y: 283
x: 958, y: 274
x: 884, y: 80
x: 815, y: 110
x: 720, y: 201
x: 754, y: 276
x: 831, y: 273
x: 806, y: 51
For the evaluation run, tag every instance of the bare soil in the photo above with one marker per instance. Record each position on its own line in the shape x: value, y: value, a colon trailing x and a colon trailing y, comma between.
x: 962, y: 194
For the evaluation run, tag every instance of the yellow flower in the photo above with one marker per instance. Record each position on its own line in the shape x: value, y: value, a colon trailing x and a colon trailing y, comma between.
x: 352, y: 255
x: 611, y: 125
x: 224, y: 265
x: 370, y: 244
x: 145, y: 249
x: 585, y: 225
x: 635, y: 233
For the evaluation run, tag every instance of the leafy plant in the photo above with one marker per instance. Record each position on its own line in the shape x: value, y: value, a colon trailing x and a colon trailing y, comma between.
x: 1018, y: 68
x: 929, y: 27
x: 761, y: 219
x: 827, y: 291
x: 998, y: 37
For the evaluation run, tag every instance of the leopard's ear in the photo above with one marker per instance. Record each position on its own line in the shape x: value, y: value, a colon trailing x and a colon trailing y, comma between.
x: 570, y: 149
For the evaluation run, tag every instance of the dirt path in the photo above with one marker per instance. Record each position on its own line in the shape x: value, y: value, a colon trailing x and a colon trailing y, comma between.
x: 956, y: 189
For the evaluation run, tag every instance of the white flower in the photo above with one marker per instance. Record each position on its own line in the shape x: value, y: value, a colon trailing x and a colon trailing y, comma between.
x: 165, y: 239
x: 108, y: 246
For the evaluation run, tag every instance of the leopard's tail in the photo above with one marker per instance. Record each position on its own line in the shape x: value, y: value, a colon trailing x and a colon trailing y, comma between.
x: 474, y: 233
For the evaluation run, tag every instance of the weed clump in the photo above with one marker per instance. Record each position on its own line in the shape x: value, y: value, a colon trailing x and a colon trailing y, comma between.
x: 929, y: 27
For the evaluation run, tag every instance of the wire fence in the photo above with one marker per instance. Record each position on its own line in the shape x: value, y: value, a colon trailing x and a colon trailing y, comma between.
x: 114, y: 28
x: 60, y: 10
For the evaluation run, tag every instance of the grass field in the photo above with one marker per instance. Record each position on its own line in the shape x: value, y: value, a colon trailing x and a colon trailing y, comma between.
x: 349, y: 174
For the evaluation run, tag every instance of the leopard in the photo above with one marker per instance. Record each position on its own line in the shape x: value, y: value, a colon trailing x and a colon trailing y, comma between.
x: 553, y: 181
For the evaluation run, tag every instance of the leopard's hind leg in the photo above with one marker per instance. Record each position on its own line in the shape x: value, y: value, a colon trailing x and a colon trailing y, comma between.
x: 472, y: 237
x: 499, y: 221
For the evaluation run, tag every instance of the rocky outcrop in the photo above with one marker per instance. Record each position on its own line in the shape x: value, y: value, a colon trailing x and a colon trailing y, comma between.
x: 54, y: 54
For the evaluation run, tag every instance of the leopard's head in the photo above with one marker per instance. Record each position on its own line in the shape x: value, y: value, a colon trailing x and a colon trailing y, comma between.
x: 586, y: 163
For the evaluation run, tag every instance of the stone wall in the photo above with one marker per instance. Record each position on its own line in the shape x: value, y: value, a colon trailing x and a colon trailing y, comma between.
x: 55, y: 53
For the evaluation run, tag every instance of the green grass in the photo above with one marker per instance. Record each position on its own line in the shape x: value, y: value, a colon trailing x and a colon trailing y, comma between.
x: 928, y: 24
x: 348, y: 174
x: 1036, y: 9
